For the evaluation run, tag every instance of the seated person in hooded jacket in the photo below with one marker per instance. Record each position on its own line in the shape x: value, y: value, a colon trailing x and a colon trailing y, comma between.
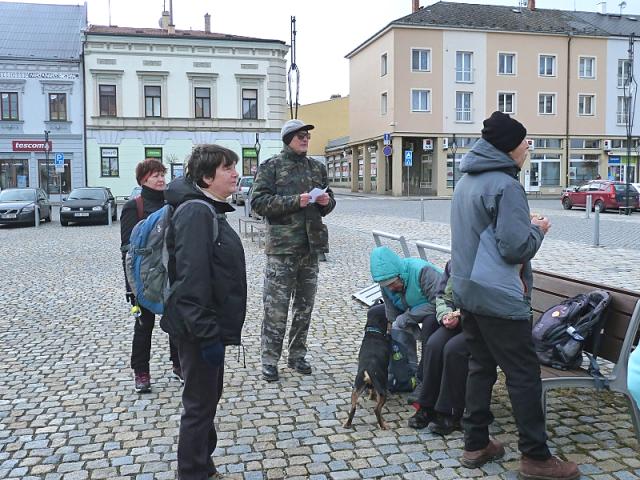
x: 409, y: 287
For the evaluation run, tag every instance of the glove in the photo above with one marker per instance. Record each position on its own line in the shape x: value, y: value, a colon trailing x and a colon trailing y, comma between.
x: 131, y: 298
x: 213, y: 353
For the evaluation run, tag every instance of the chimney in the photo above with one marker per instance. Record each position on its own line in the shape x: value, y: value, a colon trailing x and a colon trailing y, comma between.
x: 603, y: 6
x: 207, y: 23
x: 416, y: 6
x: 164, y: 20
x: 531, y: 5
x: 171, y: 29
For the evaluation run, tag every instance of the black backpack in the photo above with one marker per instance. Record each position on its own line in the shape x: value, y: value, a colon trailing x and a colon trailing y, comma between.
x: 560, y: 335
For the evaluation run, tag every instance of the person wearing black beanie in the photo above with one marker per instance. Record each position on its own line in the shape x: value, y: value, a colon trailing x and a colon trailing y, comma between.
x: 503, y: 132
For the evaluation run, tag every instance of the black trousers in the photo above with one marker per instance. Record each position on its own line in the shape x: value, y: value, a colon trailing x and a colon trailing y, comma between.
x: 141, y: 346
x: 444, y: 374
x: 429, y: 326
x: 506, y: 343
x: 200, y: 396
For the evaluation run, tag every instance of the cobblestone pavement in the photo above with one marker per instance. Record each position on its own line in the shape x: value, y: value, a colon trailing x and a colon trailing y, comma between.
x: 68, y: 409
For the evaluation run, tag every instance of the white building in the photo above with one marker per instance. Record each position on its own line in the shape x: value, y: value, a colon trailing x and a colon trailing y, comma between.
x: 41, y: 90
x: 158, y: 92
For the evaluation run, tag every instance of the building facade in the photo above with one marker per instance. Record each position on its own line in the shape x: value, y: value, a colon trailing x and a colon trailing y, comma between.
x: 156, y: 93
x: 41, y: 96
x: 426, y: 81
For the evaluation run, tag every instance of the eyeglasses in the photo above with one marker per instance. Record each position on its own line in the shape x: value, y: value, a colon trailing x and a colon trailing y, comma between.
x: 303, y: 135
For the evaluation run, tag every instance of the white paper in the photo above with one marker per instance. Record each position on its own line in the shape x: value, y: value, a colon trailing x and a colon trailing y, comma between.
x: 315, y: 193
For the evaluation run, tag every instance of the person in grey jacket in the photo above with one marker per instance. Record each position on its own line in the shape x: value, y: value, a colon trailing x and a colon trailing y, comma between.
x: 494, y: 237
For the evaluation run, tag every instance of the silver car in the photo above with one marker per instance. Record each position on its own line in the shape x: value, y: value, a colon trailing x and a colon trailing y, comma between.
x: 242, y: 190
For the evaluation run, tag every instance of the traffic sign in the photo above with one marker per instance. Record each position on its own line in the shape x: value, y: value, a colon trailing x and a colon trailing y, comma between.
x: 59, y: 162
x: 386, y: 138
x: 387, y: 150
x: 408, y: 158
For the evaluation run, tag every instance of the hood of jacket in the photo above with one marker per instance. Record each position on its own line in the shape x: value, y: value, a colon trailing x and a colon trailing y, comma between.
x: 385, y: 264
x: 181, y: 189
x: 484, y: 157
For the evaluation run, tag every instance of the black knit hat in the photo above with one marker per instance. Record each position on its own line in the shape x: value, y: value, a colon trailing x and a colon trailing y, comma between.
x: 503, y: 132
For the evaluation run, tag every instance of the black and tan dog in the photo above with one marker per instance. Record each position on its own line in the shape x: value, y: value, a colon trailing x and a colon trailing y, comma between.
x: 373, y: 366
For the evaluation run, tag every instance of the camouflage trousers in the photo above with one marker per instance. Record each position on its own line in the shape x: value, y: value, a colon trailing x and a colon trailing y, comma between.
x: 288, y: 279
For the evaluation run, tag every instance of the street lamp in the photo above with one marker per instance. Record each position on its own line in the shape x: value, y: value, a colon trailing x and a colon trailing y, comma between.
x: 257, y: 148
x: 454, y: 148
x: 46, y: 156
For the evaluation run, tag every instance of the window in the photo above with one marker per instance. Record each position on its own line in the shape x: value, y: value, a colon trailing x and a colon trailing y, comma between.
x: 420, y: 60
x: 420, y: 100
x: 547, y: 66
x: 249, y: 103
x: 587, y: 67
x: 109, y: 162
x: 547, y: 143
x: 203, y: 102
x: 506, y: 63
x: 9, y: 106
x: 623, y: 107
x: 584, y: 143
x: 107, y: 100
x: 624, y: 69
x: 14, y: 173
x: 450, y: 167
x: 545, y: 170
x: 583, y: 168
x: 463, y: 66
x: 383, y: 64
x: 506, y: 102
x: 586, y: 104
x: 249, y: 161
x: 58, y: 107
x: 547, y: 103
x: 152, y: 101
x: 383, y: 104
x: 463, y: 106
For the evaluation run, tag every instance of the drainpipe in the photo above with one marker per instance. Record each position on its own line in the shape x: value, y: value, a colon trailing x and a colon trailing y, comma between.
x: 566, y: 142
x: 84, y: 112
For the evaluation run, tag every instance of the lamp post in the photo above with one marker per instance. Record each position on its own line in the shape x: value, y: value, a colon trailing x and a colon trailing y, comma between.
x: 454, y: 148
x: 257, y: 148
x: 46, y: 156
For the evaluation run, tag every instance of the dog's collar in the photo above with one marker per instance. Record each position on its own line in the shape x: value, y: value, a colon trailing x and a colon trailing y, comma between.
x: 374, y: 330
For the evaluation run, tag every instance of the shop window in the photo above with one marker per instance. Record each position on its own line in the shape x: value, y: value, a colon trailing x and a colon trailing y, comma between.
x: 14, y: 173
x: 109, y: 164
x: 51, y: 181
x: 249, y: 161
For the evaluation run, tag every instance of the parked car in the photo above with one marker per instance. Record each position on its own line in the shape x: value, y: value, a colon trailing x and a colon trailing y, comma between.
x: 636, y: 186
x: 604, y: 194
x: 137, y: 190
x: 88, y: 204
x: 242, y: 190
x: 18, y: 205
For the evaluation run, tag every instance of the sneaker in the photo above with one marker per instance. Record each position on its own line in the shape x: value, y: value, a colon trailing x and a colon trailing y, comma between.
x: 493, y: 451
x: 177, y: 372
x: 550, y: 469
x: 420, y: 419
x: 444, y: 424
x: 300, y: 365
x: 143, y: 382
x: 414, y: 396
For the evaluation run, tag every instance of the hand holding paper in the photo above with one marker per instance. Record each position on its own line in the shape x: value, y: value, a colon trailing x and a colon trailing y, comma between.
x: 315, y: 193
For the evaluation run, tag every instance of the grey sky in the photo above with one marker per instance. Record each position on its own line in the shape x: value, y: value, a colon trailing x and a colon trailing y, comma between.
x: 327, y: 29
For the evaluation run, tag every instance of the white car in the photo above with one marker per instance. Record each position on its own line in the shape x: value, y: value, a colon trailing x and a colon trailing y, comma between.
x: 242, y: 190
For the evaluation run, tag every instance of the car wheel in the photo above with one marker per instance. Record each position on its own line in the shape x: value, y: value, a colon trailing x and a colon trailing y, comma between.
x: 599, y: 205
x: 64, y: 223
x: 233, y: 200
x: 566, y: 203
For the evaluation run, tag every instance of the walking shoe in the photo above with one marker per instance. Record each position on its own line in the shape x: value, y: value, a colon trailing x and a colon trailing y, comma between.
x: 300, y: 365
x: 550, y: 469
x: 493, y: 451
x: 444, y: 424
x: 421, y: 418
x: 143, y: 382
x: 270, y: 373
x: 415, y: 395
x: 177, y: 372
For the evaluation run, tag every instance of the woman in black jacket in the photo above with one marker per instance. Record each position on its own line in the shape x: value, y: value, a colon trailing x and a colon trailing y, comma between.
x: 206, y: 308
x: 150, y: 175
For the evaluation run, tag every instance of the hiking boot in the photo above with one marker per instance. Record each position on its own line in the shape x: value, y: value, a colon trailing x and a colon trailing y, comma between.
x: 420, y: 419
x: 415, y: 395
x: 177, y: 372
x: 493, y: 451
x: 300, y: 365
x: 270, y: 373
x: 444, y: 424
x: 550, y: 469
x: 143, y: 382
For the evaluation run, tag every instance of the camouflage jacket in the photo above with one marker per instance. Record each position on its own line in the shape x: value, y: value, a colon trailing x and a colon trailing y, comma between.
x: 276, y: 196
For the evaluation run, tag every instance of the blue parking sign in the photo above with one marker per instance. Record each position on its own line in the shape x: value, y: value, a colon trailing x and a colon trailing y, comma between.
x: 59, y: 162
x: 408, y: 158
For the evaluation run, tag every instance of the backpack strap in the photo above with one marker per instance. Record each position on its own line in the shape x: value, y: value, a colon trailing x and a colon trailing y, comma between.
x: 139, y: 206
x: 216, y: 216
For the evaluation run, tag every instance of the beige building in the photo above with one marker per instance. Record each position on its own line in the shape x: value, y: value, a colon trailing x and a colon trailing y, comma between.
x: 429, y: 79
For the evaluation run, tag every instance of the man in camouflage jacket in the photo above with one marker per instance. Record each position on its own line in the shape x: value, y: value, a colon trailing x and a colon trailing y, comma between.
x: 295, y: 237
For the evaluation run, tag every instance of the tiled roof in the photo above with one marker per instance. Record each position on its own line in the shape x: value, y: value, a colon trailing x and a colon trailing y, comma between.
x: 158, y: 32
x: 614, y: 24
x: 30, y: 30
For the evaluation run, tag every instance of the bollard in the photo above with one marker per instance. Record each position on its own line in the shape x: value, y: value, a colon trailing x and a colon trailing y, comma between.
x: 588, y: 208
x: 596, y: 227
x: 109, y: 220
x: 36, y: 216
x: 422, y: 209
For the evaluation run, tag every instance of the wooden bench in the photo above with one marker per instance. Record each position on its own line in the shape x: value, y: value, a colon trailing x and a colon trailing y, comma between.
x: 620, y: 334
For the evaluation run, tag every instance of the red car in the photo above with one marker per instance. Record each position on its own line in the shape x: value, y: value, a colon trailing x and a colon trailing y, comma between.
x: 604, y: 193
